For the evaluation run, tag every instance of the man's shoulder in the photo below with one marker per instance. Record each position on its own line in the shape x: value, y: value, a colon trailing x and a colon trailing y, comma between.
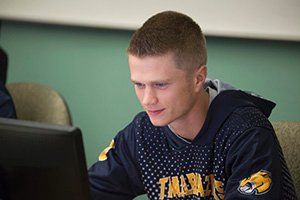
x: 244, y: 122
x: 252, y: 117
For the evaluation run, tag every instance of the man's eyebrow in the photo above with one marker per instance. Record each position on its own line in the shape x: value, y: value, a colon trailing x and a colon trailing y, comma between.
x: 133, y: 81
x: 154, y: 82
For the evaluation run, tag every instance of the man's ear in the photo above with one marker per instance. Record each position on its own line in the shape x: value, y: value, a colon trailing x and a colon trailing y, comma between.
x: 200, y: 77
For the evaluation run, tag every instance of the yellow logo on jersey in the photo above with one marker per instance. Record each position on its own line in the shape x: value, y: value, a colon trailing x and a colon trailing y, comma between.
x: 258, y: 183
x: 103, y: 155
x: 191, y: 184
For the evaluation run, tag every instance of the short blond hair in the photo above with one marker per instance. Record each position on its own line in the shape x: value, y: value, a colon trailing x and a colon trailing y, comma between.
x: 171, y: 31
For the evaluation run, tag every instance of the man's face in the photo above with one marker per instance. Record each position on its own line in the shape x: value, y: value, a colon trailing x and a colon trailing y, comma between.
x: 164, y: 90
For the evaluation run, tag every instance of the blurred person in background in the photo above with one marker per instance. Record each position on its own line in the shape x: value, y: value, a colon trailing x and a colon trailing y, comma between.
x: 7, y: 108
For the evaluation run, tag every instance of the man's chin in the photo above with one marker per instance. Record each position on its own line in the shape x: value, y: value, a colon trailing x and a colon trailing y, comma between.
x: 157, y: 122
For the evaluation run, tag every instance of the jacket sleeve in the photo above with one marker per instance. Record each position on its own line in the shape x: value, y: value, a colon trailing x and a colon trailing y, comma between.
x: 7, y: 109
x: 116, y: 176
x: 256, y: 168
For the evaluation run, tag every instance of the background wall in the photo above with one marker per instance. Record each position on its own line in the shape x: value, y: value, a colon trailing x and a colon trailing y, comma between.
x: 275, y: 19
x: 88, y: 66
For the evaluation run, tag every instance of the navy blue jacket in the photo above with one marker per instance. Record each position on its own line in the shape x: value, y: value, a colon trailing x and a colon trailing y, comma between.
x: 7, y: 109
x: 236, y: 155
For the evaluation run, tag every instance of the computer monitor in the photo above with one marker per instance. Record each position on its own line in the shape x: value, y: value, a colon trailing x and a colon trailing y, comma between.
x: 40, y: 161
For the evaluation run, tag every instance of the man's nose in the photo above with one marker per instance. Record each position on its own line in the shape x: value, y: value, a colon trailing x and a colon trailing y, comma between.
x: 149, y: 97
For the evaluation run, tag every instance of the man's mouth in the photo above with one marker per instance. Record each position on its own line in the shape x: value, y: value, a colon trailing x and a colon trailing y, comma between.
x: 155, y: 112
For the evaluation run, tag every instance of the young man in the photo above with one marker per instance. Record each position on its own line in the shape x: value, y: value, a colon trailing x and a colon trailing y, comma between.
x: 198, y: 138
x: 7, y: 109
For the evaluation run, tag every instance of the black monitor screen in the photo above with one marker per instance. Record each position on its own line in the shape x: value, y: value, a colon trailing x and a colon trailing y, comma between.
x: 40, y: 161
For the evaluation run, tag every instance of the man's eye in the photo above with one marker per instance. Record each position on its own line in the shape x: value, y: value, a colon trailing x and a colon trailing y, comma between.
x: 161, y: 85
x: 139, y: 85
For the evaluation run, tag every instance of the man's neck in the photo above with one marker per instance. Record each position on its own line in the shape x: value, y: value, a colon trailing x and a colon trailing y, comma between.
x: 191, y: 126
